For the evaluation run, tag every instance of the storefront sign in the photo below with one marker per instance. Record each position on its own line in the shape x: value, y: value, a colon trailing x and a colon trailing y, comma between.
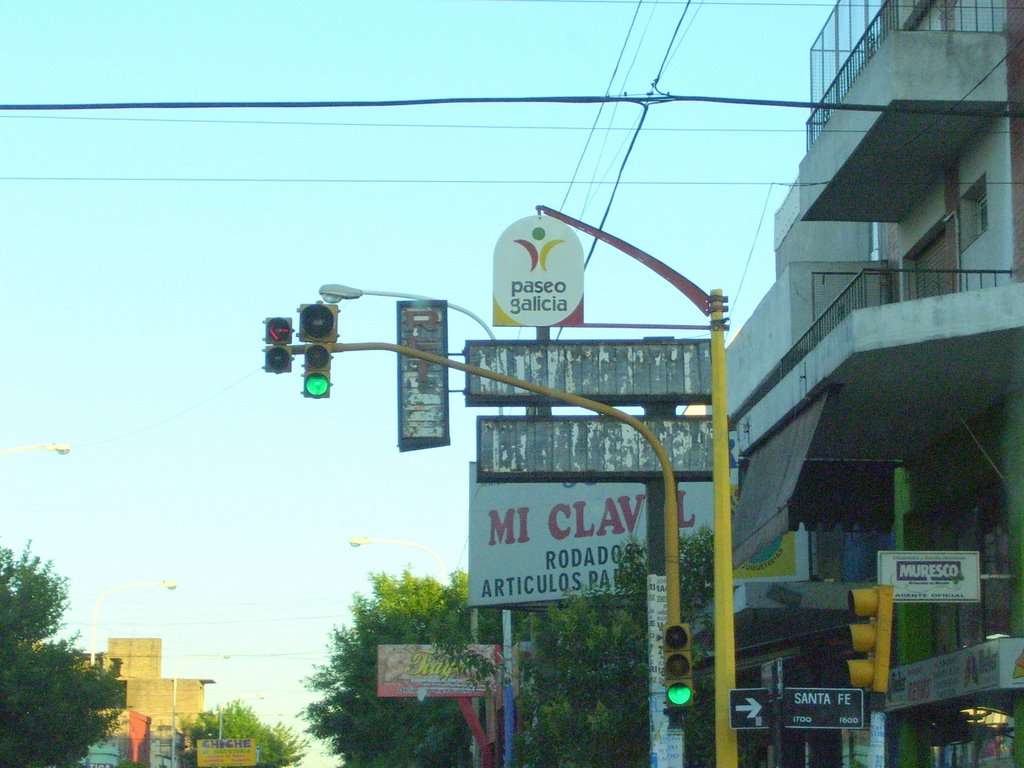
x: 423, y: 671
x: 539, y: 542
x: 225, y: 752
x: 422, y: 386
x: 538, y: 274
x: 994, y: 664
x: 931, y: 577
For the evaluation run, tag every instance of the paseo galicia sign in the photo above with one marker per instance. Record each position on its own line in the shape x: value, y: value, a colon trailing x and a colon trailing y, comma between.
x: 538, y: 274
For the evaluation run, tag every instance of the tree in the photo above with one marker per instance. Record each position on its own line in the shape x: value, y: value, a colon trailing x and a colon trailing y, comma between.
x: 584, y: 701
x: 279, y: 745
x: 584, y: 696
x: 371, y: 732
x: 53, y: 705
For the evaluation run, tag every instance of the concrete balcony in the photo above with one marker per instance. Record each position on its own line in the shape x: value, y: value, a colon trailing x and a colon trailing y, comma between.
x: 866, y: 387
x: 939, y: 90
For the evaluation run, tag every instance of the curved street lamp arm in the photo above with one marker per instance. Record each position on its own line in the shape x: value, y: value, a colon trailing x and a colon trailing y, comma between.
x: 699, y: 298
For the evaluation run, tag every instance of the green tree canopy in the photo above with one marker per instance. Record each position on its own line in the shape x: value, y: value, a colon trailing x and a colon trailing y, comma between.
x: 43, y: 681
x: 371, y: 732
x: 584, y: 698
x: 279, y: 745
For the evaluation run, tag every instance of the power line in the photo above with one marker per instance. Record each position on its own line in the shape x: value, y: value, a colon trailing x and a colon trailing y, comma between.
x: 647, y: 100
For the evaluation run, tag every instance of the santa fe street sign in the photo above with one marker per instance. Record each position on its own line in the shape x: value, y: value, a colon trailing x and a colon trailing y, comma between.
x: 823, y: 708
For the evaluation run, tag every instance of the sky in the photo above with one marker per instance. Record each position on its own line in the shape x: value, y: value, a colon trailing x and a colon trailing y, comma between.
x: 142, y: 249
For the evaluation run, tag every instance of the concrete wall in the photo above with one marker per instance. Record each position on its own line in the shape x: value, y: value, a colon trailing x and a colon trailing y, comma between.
x: 797, y: 240
x: 140, y: 656
x: 783, y: 316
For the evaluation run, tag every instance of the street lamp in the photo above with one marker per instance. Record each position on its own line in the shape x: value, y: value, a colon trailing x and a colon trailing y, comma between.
x: 174, y: 698
x: 61, y: 448
x: 169, y: 585
x: 358, y: 541
x: 333, y: 293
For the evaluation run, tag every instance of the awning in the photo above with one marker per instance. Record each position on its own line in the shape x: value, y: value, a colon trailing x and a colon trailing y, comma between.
x: 761, y: 515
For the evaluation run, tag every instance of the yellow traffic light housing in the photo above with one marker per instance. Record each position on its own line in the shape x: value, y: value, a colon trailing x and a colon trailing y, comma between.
x: 873, y: 638
x: 678, y: 665
x: 277, y: 357
x: 318, y: 323
x: 318, y: 327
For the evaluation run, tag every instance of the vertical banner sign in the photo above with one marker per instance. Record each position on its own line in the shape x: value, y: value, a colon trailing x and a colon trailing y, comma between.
x: 876, y: 750
x: 538, y: 274
x: 422, y: 386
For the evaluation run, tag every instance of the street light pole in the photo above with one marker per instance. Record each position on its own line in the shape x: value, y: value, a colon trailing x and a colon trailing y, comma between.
x: 169, y: 585
x: 334, y: 293
x: 61, y: 448
x: 174, y: 700
x: 358, y: 541
x: 713, y: 306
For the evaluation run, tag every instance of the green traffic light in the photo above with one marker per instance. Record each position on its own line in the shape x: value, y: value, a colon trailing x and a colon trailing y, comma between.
x: 317, y: 385
x: 679, y: 694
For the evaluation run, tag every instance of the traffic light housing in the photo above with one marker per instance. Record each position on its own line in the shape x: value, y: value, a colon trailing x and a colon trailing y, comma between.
x: 318, y: 323
x: 278, y: 335
x: 318, y: 327
x: 678, y: 665
x: 873, y: 637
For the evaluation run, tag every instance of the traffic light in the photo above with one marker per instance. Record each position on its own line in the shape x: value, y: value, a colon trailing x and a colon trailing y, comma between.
x: 277, y: 356
x: 316, y: 380
x: 678, y: 663
x: 873, y: 638
x: 318, y: 323
x: 318, y: 327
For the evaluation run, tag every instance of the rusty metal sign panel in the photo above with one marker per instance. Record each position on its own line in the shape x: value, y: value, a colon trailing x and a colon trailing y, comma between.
x: 422, y: 386
x: 588, y: 449
x: 614, y: 372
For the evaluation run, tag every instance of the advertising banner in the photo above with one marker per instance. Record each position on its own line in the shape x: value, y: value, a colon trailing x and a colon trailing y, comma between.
x: 931, y: 577
x: 538, y: 542
x: 423, y: 671
x: 224, y: 752
x: 994, y: 664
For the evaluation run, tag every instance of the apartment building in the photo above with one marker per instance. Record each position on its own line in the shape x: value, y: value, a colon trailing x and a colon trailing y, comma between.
x: 877, y: 392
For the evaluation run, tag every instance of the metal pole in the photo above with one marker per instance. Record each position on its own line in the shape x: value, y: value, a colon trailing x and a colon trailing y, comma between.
x: 174, y: 717
x: 668, y: 476
x: 726, y: 750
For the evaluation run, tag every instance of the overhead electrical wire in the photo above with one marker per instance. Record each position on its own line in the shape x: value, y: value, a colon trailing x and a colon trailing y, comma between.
x: 649, y: 100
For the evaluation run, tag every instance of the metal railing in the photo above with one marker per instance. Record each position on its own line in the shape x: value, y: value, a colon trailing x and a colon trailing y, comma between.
x: 871, y: 288
x: 838, y: 55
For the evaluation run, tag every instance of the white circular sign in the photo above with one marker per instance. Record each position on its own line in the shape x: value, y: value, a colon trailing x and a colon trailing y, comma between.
x: 538, y: 274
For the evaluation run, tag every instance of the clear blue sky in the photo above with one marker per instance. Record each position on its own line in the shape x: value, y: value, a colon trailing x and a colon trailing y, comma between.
x: 142, y: 250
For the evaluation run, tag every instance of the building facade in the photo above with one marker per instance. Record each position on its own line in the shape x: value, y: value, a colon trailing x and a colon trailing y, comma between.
x: 156, y: 706
x: 877, y: 392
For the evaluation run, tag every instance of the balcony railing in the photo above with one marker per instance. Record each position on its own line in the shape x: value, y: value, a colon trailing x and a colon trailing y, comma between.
x: 869, y: 288
x: 838, y: 56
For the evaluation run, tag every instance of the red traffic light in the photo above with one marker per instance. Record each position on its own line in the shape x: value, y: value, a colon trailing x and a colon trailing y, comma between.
x: 279, y: 330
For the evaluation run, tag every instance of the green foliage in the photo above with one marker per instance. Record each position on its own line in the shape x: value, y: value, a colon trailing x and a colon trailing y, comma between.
x: 371, y: 732
x: 43, y: 681
x: 279, y: 745
x: 584, y: 698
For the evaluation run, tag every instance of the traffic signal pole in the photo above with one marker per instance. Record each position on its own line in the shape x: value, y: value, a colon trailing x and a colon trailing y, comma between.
x: 726, y: 745
x: 668, y: 477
